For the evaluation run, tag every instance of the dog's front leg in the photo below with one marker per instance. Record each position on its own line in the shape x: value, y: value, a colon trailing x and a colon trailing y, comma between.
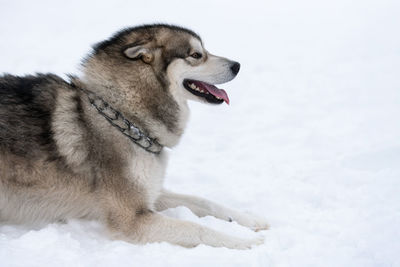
x: 138, y: 225
x: 203, y: 207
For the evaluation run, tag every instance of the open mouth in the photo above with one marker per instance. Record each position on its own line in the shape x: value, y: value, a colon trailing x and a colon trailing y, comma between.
x: 209, y: 92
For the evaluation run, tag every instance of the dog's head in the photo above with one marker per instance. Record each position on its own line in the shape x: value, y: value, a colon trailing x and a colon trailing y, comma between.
x: 164, y: 58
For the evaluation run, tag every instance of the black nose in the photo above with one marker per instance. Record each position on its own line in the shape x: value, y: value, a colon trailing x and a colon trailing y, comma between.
x: 235, y: 68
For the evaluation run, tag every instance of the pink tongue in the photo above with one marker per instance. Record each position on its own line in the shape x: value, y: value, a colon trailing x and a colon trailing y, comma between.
x: 214, y: 91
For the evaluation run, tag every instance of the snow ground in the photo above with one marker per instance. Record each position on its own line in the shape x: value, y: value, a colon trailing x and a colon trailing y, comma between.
x: 310, y: 140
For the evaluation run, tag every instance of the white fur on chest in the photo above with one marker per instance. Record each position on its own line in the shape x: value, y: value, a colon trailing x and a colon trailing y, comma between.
x: 147, y: 171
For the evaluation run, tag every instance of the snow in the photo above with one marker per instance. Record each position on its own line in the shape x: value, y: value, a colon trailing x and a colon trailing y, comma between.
x: 310, y: 140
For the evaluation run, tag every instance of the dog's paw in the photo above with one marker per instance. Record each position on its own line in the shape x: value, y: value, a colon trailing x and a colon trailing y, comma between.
x: 246, y: 243
x: 259, y: 224
x: 251, y: 221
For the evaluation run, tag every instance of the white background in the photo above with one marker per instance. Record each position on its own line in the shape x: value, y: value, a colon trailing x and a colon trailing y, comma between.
x: 310, y: 140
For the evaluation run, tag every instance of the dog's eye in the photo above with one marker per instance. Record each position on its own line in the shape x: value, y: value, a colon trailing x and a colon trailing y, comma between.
x: 196, y: 55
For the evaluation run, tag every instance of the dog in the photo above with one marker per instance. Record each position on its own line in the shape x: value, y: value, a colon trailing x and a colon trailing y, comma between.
x: 94, y: 147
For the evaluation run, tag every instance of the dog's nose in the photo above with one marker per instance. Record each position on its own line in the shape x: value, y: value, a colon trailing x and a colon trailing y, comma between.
x: 235, y: 68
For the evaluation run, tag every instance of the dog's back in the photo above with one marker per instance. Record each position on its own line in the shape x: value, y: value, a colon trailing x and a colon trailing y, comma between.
x: 26, y: 105
x: 32, y: 173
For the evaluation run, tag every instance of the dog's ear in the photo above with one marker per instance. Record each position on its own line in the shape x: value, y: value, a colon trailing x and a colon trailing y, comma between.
x: 139, y: 52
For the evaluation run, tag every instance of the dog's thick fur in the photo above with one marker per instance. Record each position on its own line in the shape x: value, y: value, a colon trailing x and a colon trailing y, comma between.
x: 60, y: 159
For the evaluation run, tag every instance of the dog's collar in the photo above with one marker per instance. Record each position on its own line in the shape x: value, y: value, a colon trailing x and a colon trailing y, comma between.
x: 116, y: 119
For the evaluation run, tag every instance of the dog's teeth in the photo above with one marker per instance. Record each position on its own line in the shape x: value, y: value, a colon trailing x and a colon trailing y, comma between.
x: 194, y: 87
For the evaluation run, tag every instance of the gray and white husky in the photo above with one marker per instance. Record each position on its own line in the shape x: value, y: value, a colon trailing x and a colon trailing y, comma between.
x: 93, y: 147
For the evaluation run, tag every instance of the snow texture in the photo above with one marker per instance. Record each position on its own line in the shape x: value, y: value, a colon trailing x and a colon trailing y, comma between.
x: 310, y: 140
